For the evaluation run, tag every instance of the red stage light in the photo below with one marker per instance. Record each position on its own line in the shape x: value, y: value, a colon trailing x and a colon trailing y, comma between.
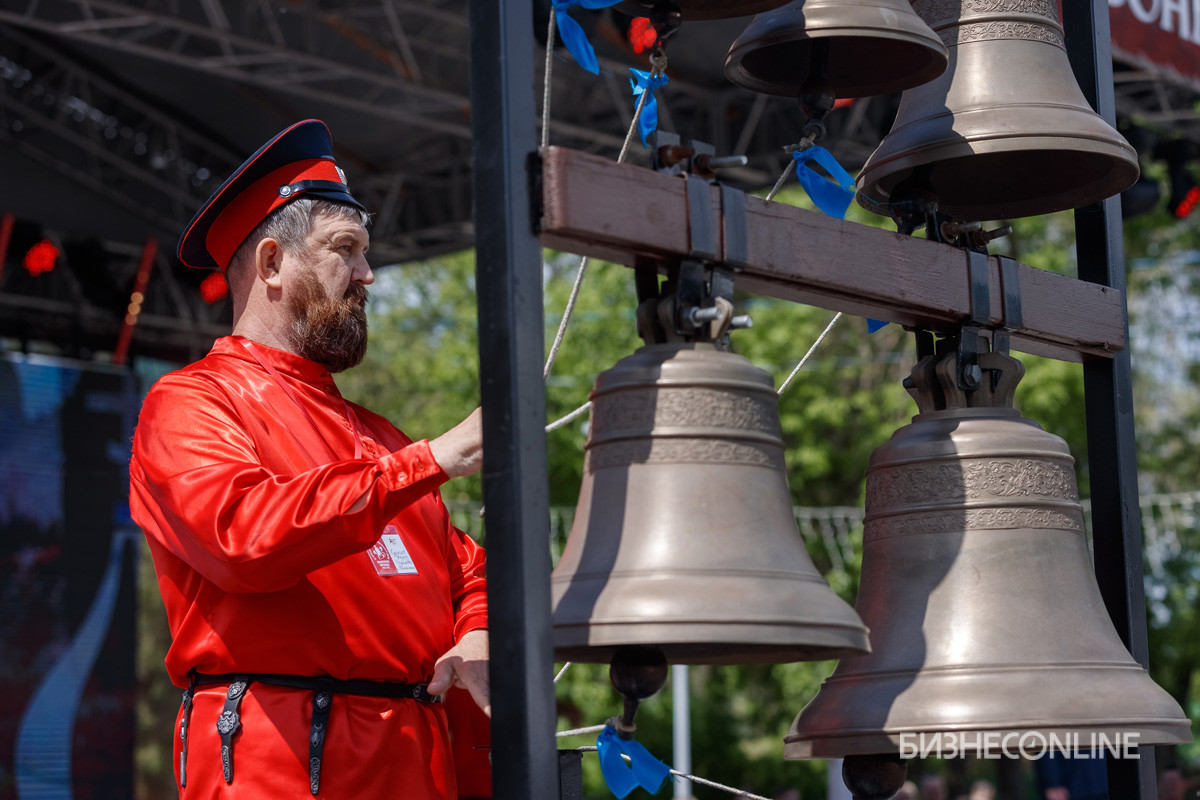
x: 213, y: 288
x: 41, y: 257
x: 642, y: 35
x: 1185, y: 206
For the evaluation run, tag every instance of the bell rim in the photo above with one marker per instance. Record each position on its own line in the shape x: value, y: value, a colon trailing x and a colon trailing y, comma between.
x: 1121, y: 172
x: 722, y: 644
x: 813, y: 730
x: 1151, y: 733
x: 925, y: 50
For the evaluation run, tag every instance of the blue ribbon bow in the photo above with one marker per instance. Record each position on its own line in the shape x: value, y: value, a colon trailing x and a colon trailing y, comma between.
x: 833, y: 194
x: 573, y: 36
x: 643, y: 770
x: 643, y: 81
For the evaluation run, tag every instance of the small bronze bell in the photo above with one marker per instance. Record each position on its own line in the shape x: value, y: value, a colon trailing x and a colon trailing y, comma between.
x: 857, y: 48
x: 1005, y: 131
x: 986, y: 620
x: 684, y: 534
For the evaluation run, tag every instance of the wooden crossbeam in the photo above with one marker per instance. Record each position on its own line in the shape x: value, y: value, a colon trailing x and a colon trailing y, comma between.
x: 639, y: 217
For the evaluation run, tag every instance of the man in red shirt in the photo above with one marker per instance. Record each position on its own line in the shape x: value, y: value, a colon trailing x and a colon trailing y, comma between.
x: 318, y: 597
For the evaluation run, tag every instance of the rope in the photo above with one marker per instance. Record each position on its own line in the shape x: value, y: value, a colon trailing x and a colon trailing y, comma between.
x: 558, y: 423
x: 803, y: 144
x: 578, y: 731
x: 570, y: 309
x: 546, y: 81
x: 658, y: 65
x: 562, y: 672
x: 704, y: 781
x: 804, y: 360
x: 783, y: 177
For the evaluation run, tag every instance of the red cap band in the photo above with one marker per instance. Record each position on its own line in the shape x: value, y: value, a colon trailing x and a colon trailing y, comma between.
x: 245, y: 212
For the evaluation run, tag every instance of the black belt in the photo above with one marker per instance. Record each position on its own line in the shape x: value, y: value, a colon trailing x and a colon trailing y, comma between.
x: 323, y: 688
x: 413, y: 691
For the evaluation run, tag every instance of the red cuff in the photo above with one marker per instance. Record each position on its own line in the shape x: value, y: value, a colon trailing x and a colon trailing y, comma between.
x: 477, y: 621
x: 411, y: 465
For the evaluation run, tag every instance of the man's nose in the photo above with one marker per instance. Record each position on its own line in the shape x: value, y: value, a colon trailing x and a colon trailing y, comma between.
x: 362, y: 272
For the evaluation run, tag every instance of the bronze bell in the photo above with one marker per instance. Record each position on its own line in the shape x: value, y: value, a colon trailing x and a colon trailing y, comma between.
x: 977, y: 585
x: 858, y: 48
x: 684, y: 535
x: 698, y: 9
x: 1005, y: 131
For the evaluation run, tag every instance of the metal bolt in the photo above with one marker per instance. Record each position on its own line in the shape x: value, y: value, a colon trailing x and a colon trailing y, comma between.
x: 698, y: 316
x: 996, y: 234
x: 972, y: 375
x: 952, y: 230
x: 724, y: 162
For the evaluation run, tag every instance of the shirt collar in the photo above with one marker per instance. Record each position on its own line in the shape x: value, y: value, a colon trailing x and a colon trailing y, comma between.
x: 286, y: 363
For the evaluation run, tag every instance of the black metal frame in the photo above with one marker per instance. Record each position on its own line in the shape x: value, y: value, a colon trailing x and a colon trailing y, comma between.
x: 1108, y: 395
x: 509, y: 287
x: 511, y: 344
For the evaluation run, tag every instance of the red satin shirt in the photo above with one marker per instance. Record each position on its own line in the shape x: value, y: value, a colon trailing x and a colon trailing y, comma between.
x: 243, y: 491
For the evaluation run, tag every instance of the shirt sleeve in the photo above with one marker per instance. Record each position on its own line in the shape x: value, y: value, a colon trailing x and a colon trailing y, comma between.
x: 198, y: 487
x: 467, y: 563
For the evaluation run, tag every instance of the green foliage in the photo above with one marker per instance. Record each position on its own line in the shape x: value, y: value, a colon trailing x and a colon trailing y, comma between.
x: 422, y: 367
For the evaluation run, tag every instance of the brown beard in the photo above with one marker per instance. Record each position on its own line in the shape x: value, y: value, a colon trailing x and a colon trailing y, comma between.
x: 331, y: 332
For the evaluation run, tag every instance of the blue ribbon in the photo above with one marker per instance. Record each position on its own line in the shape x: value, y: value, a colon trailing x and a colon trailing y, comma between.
x: 875, y: 324
x: 643, y: 81
x: 643, y: 770
x: 573, y: 36
x: 833, y: 194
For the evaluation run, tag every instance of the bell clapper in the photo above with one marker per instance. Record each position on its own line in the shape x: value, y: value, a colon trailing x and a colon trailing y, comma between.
x: 817, y: 94
x: 637, y: 671
x: 967, y: 235
x: 874, y: 777
x: 665, y: 18
x: 914, y: 202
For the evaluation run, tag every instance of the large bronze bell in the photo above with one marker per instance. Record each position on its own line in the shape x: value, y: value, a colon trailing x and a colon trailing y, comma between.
x: 1005, y: 131
x: 858, y: 48
x: 684, y: 535
x: 977, y: 585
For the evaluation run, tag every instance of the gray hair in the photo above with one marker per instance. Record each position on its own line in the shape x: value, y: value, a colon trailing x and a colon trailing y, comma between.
x: 291, y: 224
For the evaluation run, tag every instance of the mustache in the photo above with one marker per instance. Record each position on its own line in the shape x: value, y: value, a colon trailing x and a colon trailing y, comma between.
x: 357, y: 292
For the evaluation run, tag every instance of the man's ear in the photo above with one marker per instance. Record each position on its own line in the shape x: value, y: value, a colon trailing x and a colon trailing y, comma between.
x: 268, y: 262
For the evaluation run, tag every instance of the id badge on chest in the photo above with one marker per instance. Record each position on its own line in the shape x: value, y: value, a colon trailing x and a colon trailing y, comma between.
x: 389, y: 556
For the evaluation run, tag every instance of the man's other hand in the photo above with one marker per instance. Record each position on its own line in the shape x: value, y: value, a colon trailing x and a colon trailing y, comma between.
x: 465, y: 665
x: 459, y: 451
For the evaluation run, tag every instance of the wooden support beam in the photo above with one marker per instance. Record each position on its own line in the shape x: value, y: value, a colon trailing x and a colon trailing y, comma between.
x: 639, y: 217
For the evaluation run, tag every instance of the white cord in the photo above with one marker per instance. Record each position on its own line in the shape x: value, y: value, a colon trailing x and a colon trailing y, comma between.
x: 804, y: 360
x: 706, y: 782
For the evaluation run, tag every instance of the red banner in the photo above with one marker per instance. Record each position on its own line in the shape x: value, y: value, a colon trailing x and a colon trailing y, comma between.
x: 1161, y: 35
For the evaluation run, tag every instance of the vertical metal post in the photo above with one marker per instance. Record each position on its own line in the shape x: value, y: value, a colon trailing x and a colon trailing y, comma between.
x: 509, y: 289
x: 681, y: 718
x: 1108, y: 388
